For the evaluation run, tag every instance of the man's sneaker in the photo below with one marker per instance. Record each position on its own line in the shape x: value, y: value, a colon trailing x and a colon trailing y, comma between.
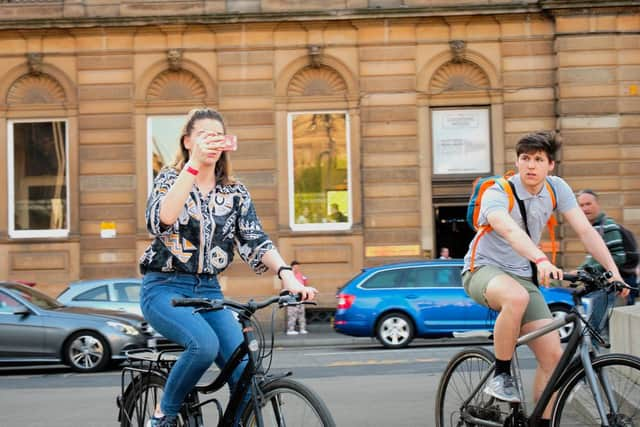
x: 166, y: 421
x: 303, y: 331
x: 503, y: 387
x: 292, y: 332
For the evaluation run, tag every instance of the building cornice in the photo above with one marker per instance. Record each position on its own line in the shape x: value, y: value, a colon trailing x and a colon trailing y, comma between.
x: 17, y: 16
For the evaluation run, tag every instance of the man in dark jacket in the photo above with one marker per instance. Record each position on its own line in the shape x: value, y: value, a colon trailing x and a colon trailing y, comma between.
x: 611, y: 234
x: 607, y: 227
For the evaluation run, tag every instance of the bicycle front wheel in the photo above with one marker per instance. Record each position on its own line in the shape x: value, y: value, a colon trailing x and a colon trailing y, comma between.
x: 291, y: 404
x: 465, y: 374
x: 618, y: 380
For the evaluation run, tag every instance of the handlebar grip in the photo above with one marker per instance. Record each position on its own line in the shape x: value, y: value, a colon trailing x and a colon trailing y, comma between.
x: 621, y: 285
x: 191, y: 302
x: 289, y: 298
x: 570, y: 277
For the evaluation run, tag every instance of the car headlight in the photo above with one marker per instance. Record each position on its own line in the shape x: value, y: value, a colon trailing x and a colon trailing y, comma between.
x: 124, y: 328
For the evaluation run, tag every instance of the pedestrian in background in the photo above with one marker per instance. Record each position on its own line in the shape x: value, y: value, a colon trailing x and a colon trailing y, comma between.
x: 296, y: 313
x: 444, y: 253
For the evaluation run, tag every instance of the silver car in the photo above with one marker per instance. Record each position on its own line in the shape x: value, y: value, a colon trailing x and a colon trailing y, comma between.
x: 112, y: 294
x: 36, y: 328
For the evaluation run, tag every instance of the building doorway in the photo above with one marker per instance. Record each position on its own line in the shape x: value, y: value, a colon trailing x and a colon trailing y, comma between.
x: 452, y: 230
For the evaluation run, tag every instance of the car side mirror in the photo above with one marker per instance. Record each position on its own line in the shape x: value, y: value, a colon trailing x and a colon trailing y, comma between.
x: 22, y: 311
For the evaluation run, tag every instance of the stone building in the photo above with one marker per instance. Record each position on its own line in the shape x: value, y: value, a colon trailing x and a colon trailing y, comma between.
x: 384, y: 110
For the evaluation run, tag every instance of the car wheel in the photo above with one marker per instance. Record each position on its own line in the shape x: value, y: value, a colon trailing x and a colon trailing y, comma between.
x: 560, y: 312
x: 395, y: 330
x: 87, y: 351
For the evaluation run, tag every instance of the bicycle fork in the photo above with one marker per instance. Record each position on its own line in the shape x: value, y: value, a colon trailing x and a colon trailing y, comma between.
x: 592, y: 380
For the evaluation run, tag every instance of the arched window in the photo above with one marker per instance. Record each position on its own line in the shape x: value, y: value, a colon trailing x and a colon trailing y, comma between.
x: 163, y: 131
x: 319, y: 154
x: 38, y: 158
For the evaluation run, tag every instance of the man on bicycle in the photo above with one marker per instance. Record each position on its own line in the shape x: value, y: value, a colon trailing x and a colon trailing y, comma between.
x: 508, y: 264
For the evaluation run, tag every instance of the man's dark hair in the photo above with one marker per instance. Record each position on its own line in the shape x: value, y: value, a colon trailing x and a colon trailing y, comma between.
x: 547, y: 141
x: 588, y: 191
x: 294, y: 262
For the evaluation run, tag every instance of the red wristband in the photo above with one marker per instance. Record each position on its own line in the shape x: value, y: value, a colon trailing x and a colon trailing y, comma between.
x: 192, y: 171
x: 541, y: 259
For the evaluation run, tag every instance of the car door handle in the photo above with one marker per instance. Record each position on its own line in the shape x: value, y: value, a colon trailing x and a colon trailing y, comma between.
x: 411, y: 296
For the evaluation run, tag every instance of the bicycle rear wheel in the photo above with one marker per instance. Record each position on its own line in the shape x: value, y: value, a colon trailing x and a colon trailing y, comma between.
x: 289, y: 403
x: 576, y: 405
x: 464, y: 374
x: 140, y: 402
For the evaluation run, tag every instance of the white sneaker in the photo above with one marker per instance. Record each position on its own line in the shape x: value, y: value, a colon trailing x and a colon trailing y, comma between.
x: 292, y: 332
x: 503, y: 387
x: 304, y: 331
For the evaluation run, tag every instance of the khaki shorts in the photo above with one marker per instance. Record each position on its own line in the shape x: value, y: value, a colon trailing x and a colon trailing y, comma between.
x: 475, y: 284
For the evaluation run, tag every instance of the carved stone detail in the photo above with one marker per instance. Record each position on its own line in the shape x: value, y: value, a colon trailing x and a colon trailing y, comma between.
x: 460, y: 76
x: 174, y: 58
x: 458, y: 50
x: 320, y: 81
x: 181, y: 84
x: 34, y: 62
x: 36, y: 89
x: 315, y: 56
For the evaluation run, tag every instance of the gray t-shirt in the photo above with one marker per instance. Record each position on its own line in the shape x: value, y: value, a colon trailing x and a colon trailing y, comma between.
x: 493, y: 249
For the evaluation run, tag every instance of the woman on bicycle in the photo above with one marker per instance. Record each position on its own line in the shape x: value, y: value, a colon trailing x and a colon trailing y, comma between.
x: 199, y: 214
x: 505, y: 260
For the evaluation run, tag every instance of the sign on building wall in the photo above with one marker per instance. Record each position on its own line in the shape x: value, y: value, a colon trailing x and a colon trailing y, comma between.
x: 461, y: 141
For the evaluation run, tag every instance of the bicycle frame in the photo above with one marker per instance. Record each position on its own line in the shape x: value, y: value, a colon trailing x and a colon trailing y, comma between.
x: 251, y: 377
x: 578, y: 351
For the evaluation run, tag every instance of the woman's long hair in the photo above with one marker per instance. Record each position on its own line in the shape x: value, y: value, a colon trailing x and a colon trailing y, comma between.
x: 223, y: 165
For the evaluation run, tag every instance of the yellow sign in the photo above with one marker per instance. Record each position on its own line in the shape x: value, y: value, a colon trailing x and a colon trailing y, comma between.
x: 389, y: 251
x: 107, y: 229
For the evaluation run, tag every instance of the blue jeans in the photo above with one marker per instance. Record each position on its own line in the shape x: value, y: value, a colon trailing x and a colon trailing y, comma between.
x: 207, y: 337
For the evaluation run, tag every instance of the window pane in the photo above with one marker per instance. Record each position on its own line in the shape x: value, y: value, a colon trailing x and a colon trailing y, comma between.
x: 442, y: 277
x: 97, y: 294
x: 127, y: 292
x: 164, y: 139
x: 7, y: 304
x: 320, y: 168
x: 40, y: 176
x: 385, y: 279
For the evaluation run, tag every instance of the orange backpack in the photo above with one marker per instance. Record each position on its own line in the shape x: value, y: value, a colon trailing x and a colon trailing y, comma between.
x: 480, y: 185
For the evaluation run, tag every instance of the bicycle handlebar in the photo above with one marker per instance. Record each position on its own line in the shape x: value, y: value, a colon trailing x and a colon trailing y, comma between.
x: 593, y: 280
x: 284, y: 299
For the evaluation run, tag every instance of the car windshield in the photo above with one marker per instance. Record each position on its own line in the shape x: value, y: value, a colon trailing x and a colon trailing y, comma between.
x: 34, y: 297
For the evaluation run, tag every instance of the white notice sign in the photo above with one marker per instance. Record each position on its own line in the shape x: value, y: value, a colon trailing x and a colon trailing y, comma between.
x: 461, y: 141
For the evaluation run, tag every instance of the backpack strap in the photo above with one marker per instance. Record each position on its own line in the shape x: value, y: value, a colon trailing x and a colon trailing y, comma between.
x: 551, y: 224
x: 523, y: 213
x: 552, y: 193
x: 484, y: 229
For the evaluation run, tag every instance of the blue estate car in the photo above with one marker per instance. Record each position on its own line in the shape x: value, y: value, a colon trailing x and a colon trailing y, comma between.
x: 399, y: 302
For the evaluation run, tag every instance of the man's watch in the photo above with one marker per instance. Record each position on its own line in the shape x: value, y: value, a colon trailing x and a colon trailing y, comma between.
x: 284, y: 267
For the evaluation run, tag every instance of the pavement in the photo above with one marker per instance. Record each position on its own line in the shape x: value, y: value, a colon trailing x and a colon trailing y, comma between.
x: 322, y: 334
x: 319, y: 334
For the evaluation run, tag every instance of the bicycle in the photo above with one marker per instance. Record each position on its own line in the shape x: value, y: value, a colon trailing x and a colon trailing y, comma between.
x: 598, y: 390
x: 275, y: 400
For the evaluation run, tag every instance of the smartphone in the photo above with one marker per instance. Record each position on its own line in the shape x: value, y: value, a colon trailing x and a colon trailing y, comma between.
x: 230, y: 143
